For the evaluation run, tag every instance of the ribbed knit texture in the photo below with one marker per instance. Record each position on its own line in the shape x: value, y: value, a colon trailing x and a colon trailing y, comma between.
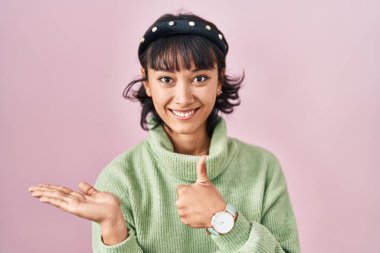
x: 249, y: 177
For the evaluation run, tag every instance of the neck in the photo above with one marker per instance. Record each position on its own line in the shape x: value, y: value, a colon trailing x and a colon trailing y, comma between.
x: 190, y: 144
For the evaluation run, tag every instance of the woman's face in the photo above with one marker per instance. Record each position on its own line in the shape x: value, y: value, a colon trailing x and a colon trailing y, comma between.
x: 183, y: 99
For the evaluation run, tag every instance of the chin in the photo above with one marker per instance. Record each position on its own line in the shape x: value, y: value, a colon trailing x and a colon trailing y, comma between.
x: 183, y: 129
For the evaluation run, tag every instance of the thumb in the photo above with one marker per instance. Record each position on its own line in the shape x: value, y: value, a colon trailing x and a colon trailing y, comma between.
x: 202, y: 170
x: 87, y: 189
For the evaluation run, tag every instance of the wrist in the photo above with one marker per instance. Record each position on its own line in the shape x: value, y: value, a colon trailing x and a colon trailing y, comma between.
x: 115, y: 217
x: 114, y: 230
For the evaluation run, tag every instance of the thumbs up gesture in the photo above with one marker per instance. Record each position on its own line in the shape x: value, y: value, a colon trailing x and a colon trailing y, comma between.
x: 196, y: 203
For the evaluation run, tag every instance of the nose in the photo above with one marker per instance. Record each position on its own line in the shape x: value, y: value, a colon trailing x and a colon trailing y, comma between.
x: 183, y: 94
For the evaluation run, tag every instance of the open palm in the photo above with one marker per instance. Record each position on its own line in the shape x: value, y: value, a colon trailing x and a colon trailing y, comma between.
x: 90, y: 204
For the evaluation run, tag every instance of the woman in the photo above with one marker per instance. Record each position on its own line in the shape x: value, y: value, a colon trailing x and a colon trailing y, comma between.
x: 188, y: 187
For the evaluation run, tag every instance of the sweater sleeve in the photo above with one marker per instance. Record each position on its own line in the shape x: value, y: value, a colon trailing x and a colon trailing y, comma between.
x: 113, y: 180
x: 277, y: 230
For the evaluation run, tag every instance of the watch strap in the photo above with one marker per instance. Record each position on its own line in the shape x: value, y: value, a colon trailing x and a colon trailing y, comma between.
x: 212, y: 231
x: 231, y: 209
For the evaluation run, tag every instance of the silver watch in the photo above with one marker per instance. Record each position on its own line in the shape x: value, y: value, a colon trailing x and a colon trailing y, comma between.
x: 223, y: 222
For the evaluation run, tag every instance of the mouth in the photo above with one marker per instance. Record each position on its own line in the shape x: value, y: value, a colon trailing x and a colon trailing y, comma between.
x: 184, y: 114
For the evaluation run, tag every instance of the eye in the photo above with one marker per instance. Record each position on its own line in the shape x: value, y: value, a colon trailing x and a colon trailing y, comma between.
x: 165, y: 79
x: 200, y: 78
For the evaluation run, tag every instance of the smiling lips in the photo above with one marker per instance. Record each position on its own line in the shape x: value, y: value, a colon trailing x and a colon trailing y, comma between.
x: 184, y: 114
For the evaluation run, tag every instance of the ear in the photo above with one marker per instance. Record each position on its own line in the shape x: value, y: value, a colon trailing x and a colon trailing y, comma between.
x: 146, y: 83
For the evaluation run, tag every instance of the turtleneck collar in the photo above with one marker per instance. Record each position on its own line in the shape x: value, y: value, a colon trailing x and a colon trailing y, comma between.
x: 184, y: 166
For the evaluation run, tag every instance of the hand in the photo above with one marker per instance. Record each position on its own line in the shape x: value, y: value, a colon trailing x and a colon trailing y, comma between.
x: 196, y: 203
x: 101, y: 207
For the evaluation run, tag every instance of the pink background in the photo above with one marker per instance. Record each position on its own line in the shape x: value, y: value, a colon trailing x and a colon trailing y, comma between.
x: 311, y: 96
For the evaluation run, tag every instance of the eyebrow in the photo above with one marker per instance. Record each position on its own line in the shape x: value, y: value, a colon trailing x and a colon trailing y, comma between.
x: 194, y: 70
x: 200, y: 69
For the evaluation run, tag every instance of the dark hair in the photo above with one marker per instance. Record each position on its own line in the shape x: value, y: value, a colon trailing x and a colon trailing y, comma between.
x: 165, y: 54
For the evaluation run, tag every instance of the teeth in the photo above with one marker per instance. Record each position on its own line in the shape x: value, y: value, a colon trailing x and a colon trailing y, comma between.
x: 183, y: 114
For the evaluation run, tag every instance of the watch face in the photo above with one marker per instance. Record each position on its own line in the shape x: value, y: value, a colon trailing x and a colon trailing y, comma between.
x: 222, y: 222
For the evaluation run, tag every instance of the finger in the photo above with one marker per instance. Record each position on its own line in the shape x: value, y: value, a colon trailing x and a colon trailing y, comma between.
x: 54, y: 190
x: 40, y: 192
x: 55, y: 202
x: 47, y: 189
x: 53, y: 194
x: 202, y: 170
x: 87, y: 189
x: 180, y: 189
x: 35, y: 187
x: 58, y: 187
x: 37, y: 191
x: 50, y: 187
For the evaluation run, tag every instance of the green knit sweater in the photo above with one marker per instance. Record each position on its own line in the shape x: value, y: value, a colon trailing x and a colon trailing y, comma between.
x: 249, y: 177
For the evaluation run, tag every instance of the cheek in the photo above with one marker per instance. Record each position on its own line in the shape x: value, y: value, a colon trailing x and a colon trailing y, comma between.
x: 160, y: 99
x: 207, y: 97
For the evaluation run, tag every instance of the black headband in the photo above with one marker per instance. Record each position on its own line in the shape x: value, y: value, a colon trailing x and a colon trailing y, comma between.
x: 169, y: 28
